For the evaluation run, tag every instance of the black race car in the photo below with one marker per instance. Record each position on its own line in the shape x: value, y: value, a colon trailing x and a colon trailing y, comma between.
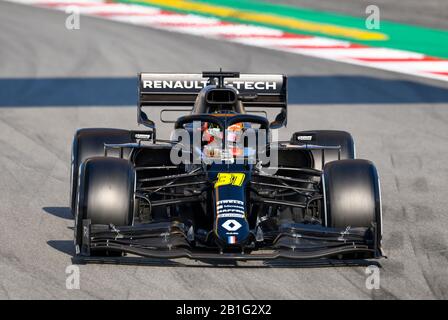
x: 221, y: 187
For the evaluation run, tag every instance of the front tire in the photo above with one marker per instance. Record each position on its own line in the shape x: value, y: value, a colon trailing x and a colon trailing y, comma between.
x: 352, y: 196
x: 106, y: 194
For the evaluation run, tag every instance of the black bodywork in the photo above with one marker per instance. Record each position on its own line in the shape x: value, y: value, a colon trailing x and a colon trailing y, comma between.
x: 182, y: 211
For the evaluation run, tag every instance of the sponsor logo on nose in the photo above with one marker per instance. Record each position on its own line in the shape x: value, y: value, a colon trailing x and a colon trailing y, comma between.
x: 231, y: 225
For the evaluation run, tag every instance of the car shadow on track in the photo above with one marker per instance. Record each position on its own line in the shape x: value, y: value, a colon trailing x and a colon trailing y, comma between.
x: 64, y: 246
x: 60, y: 212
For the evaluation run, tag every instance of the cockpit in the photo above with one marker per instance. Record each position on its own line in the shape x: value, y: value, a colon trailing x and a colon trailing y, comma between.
x: 221, y: 102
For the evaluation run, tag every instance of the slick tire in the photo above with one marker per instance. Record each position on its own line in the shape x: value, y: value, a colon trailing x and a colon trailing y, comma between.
x: 352, y: 197
x: 89, y: 142
x: 106, y: 194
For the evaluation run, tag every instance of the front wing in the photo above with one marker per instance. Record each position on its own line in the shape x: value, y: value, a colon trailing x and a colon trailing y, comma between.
x: 174, y: 240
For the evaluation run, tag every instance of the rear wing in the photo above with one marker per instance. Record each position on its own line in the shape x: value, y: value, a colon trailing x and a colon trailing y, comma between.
x: 181, y: 89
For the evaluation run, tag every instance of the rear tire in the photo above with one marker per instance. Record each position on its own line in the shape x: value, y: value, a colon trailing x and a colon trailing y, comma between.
x: 87, y: 143
x: 351, y: 195
x: 106, y: 194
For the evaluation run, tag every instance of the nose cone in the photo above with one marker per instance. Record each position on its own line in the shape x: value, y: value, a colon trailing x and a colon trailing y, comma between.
x: 231, y: 226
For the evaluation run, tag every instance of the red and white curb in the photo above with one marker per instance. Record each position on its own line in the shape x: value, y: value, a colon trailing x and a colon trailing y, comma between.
x: 401, y: 61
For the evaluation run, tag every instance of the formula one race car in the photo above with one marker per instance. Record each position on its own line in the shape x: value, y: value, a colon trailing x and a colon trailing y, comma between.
x: 221, y: 187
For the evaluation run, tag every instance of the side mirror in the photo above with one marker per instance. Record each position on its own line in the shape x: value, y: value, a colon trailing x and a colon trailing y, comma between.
x: 143, y: 119
x: 146, y: 121
x: 280, y: 120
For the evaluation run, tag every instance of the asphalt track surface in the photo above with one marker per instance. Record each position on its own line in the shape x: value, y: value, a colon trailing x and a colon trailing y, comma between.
x: 398, y: 121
